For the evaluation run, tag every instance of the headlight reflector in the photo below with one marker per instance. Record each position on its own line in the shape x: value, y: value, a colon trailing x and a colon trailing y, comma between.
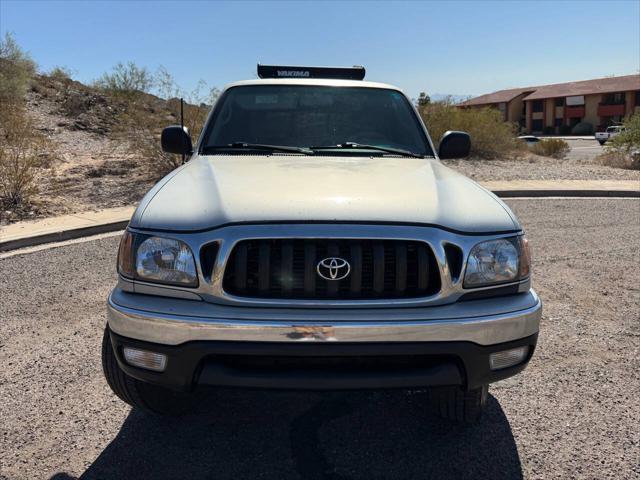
x: 492, y: 262
x: 157, y: 259
x: 165, y: 260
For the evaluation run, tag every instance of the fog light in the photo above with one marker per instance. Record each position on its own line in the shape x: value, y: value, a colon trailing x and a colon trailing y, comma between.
x: 144, y: 359
x: 508, y: 358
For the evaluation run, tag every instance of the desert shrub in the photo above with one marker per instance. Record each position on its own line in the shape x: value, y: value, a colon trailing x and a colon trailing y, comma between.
x: 629, y: 139
x: 582, y: 128
x: 619, y: 159
x: 145, y: 116
x: 126, y: 80
x: 144, y: 130
x: 142, y: 115
x: 197, y: 102
x: 16, y: 71
x: 61, y: 74
x: 552, y: 147
x: 491, y: 136
x: 623, y: 150
x: 22, y: 154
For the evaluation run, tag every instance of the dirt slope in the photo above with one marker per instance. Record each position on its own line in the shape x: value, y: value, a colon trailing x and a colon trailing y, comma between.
x: 92, y: 166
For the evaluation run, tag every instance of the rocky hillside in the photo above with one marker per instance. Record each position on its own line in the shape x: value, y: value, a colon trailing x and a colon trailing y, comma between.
x: 94, y: 163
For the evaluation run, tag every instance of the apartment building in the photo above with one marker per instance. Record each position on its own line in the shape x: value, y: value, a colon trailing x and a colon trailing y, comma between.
x: 558, y: 108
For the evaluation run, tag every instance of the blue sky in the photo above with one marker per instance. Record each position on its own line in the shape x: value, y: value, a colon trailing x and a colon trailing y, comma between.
x: 439, y: 47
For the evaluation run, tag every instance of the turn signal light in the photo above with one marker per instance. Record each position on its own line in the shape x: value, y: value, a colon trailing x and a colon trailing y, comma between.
x: 508, y: 358
x: 145, y: 359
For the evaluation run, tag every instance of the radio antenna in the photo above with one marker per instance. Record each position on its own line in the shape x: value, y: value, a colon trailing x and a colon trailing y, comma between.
x: 182, y: 121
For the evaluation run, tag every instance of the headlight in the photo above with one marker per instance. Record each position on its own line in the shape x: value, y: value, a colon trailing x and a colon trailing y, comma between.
x: 497, y: 261
x: 156, y: 259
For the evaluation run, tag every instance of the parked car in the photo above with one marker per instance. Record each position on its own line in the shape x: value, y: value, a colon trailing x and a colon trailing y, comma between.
x: 529, y: 139
x: 314, y: 241
x: 609, y: 133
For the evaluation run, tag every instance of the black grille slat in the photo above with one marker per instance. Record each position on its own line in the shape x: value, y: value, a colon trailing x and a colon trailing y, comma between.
x: 378, y: 267
x: 355, y: 282
x: 287, y: 269
x: 401, y: 267
x: 309, y: 268
x: 264, y: 266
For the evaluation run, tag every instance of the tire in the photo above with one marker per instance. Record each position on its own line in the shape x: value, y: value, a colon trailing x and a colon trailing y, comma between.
x: 144, y: 396
x: 459, y: 405
x: 602, y: 142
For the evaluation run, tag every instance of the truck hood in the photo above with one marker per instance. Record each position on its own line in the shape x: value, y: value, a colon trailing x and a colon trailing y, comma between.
x: 210, y: 191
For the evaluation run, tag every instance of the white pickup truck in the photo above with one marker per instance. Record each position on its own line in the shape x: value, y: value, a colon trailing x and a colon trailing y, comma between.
x: 314, y: 241
x: 608, y: 134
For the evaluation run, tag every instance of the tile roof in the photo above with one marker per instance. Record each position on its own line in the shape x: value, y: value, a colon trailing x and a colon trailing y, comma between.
x: 584, y: 87
x: 587, y: 87
x: 497, y: 97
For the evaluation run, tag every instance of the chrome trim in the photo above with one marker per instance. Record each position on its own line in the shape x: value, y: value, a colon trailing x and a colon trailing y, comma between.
x: 173, y: 329
x: 210, y: 289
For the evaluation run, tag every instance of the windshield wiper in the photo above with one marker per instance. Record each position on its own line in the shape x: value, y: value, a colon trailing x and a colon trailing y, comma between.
x: 257, y: 146
x: 397, y: 151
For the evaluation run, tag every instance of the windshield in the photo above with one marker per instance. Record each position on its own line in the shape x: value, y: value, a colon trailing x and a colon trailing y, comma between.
x: 305, y: 116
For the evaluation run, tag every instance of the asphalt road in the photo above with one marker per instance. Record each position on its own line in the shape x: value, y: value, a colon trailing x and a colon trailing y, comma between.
x: 572, y: 414
x: 582, y: 149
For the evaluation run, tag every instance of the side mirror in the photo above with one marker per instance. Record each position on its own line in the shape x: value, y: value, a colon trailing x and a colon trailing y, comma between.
x: 454, y: 145
x: 176, y: 139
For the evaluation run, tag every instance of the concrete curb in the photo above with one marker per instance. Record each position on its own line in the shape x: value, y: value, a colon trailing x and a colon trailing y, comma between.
x: 112, y: 226
x: 63, y: 235
x: 567, y: 193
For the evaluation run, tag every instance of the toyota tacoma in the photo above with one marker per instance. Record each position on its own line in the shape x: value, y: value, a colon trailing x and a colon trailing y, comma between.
x: 314, y: 240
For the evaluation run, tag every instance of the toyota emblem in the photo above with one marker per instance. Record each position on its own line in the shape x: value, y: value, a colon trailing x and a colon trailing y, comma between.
x: 333, y: 268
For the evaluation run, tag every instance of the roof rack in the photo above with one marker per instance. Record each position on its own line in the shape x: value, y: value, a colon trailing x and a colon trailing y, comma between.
x: 288, y: 71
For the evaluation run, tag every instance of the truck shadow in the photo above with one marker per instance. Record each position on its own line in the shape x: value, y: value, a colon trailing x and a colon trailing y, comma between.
x: 334, y: 435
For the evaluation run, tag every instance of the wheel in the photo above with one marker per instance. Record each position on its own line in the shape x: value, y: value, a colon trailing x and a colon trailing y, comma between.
x: 142, y: 395
x: 454, y: 403
x: 601, y: 142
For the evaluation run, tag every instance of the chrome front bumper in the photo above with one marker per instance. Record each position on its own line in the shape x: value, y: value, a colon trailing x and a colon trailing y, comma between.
x: 171, y: 321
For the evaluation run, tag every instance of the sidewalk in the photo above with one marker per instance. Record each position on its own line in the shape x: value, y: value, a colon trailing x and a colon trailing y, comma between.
x: 565, y: 188
x: 66, y: 227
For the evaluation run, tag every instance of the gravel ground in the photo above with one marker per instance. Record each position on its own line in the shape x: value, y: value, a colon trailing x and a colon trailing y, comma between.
x: 580, y: 164
x: 572, y: 414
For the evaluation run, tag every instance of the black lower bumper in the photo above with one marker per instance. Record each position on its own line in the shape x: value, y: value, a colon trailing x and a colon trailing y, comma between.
x: 322, y: 366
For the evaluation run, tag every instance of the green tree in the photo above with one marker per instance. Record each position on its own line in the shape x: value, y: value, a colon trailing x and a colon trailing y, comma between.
x: 423, y: 99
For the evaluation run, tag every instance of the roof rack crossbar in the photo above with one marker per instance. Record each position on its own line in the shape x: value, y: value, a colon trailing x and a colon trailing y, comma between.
x: 288, y: 71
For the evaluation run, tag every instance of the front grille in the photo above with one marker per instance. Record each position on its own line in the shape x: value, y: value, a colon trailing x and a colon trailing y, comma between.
x: 287, y: 268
